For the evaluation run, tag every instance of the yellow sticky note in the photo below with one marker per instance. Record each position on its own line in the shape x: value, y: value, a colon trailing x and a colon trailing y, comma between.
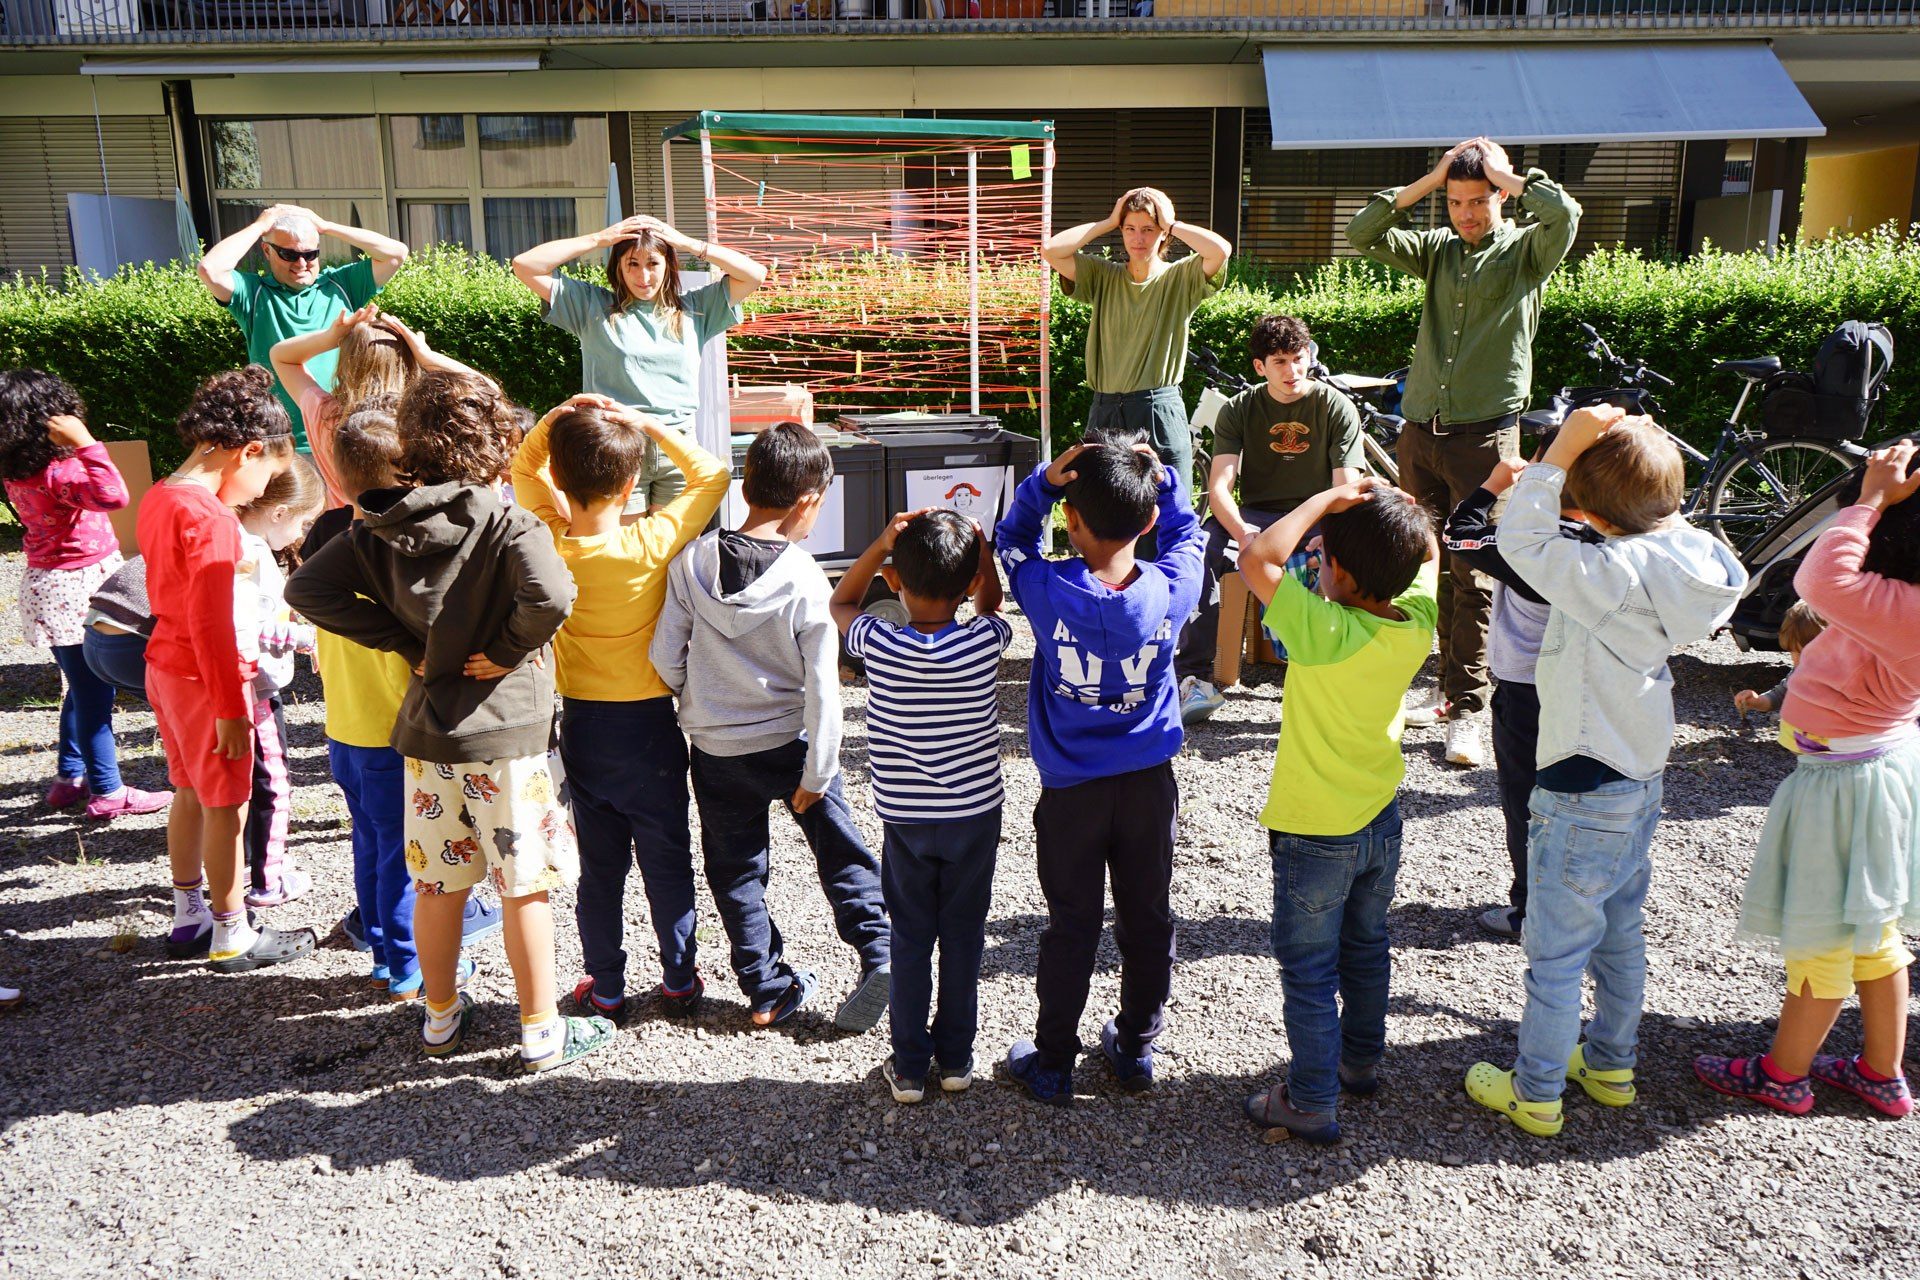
x: 1022, y: 161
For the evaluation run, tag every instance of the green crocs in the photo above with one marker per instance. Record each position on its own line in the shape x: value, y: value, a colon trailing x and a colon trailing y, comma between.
x: 1608, y: 1088
x: 1492, y: 1088
x: 584, y: 1035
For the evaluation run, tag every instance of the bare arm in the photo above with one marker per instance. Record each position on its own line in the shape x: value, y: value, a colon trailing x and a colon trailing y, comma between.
x: 386, y: 252
x: 290, y: 355
x: 990, y: 596
x: 1346, y: 475
x: 425, y: 356
x: 849, y: 596
x: 1060, y: 248
x: 1436, y: 179
x: 218, y: 263
x: 1214, y: 249
x: 536, y: 266
x: 1221, y: 478
x: 1263, y: 561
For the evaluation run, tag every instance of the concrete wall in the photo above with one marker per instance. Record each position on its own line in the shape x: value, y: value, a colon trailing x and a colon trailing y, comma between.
x: 1852, y: 194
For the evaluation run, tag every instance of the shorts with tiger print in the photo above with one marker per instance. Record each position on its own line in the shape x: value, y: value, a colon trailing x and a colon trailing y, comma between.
x: 505, y: 820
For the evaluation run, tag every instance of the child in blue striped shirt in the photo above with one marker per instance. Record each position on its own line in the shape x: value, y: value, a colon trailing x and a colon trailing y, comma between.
x: 933, y: 733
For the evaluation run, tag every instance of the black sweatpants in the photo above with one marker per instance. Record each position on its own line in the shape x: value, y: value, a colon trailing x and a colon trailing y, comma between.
x: 1516, y: 741
x: 1125, y: 823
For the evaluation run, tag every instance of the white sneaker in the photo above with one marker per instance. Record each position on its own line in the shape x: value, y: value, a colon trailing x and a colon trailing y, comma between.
x: 1430, y: 717
x: 1463, y: 742
x: 1198, y: 700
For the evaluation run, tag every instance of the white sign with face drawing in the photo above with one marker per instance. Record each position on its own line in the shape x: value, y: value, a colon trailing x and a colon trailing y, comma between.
x: 974, y: 492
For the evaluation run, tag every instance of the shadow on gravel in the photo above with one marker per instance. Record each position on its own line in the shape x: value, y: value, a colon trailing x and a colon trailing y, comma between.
x: 979, y: 1158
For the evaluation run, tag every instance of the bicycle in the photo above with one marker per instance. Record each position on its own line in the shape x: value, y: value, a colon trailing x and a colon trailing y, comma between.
x: 1750, y: 481
x: 1378, y: 428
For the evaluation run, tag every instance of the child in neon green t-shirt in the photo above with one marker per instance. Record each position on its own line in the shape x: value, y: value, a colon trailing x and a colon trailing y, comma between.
x: 1332, y: 809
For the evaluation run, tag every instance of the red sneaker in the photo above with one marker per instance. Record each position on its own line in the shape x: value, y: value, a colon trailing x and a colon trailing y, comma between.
x: 64, y: 795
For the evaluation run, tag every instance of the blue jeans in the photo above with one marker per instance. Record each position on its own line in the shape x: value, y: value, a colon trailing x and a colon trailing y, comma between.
x: 1330, y: 898
x: 86, y: 723
x: 373, y: 779
x: 1588, y: 870
x: 938, y: 878
x: 119, y: 658
x: 733, y: 793
x: 627, y: 774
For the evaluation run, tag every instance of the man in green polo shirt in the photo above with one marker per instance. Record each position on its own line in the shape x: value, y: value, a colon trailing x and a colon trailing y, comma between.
x: 296, y: 296
x: 1472, y: 370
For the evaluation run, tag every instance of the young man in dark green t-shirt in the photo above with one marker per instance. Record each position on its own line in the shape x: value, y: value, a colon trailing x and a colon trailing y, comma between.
x: 1283, y: 442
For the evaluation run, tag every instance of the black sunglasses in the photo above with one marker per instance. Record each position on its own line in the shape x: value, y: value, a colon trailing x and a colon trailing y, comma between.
x: 296, y: 255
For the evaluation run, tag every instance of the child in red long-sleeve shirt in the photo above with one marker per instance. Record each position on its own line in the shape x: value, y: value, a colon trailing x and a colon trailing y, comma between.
x: 198, y: 683
x: 63, y: 484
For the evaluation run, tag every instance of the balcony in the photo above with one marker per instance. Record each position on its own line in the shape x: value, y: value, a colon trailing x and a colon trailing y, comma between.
x: 104, y: 24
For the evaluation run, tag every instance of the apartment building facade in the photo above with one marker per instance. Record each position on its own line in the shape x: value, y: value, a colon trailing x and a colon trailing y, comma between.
x: 496, y: 124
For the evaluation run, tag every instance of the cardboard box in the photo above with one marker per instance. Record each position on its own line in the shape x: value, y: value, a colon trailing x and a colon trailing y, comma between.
x: 752, y: 410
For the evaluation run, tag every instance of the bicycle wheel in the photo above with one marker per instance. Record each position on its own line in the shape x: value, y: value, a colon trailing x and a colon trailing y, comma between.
x: 1763, y: 484
x: 1380, y: 459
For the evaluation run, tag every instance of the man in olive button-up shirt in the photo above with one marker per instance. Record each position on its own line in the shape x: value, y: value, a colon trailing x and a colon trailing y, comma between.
x: 1472, y: 367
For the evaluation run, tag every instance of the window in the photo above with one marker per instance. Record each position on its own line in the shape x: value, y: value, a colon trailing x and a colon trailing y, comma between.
x: 330, y: 164
x: 496, y: 184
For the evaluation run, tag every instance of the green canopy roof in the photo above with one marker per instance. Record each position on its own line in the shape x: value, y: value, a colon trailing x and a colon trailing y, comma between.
x: 816, y: 135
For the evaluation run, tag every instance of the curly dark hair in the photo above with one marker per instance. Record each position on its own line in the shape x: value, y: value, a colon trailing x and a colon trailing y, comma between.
x: 28, y: 399
x: 1278, y: 335
x: 455, y: 428
x: 234, y: 409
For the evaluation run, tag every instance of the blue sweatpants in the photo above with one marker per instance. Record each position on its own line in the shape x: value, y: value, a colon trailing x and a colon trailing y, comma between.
x: 374, y: 782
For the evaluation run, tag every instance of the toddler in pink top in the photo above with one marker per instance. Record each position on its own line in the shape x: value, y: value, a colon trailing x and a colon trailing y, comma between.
x: 63, y: 485
x: 1836, y: 879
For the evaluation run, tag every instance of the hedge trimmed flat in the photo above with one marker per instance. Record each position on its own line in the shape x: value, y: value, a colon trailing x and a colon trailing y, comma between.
x: 1493, y: 1089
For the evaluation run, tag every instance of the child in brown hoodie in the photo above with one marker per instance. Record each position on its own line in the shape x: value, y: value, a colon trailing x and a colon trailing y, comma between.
x: 469, y: 591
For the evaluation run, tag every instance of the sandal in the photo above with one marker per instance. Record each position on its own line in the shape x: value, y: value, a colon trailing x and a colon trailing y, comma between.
x: 451, y: 1045
x: 584, y: 1035
x: 1493, y: 1089
x: 1608, y: 1088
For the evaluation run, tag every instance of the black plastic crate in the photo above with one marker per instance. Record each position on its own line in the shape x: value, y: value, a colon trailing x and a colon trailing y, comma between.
x: 897, y: 422
x: 972, y: 471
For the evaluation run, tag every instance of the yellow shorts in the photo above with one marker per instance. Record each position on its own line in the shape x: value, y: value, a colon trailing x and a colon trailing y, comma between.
x: 501, y: 820
x: 1831, y: 975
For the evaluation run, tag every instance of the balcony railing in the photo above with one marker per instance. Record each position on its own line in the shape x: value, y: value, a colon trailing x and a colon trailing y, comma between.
x: 138, y: 23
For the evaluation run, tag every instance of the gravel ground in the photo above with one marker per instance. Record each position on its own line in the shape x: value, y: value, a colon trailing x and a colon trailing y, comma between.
x: 158, y: 1119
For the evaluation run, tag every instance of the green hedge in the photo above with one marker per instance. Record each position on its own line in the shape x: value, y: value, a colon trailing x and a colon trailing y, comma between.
x: 137, y: 343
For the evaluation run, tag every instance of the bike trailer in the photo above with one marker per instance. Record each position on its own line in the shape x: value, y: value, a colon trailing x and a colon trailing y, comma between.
x: 1837, y: 399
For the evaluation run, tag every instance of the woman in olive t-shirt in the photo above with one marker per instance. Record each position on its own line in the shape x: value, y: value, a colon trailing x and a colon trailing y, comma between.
x: 640, y: 336
x: 1137, y: 336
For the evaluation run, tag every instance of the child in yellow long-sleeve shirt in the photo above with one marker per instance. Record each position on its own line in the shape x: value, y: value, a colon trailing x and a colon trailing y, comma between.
x: 576, y: 470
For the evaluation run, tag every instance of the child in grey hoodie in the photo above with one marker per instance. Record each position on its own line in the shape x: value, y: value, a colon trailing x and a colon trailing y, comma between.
x: 1619, y: 609
x: 747, y: 644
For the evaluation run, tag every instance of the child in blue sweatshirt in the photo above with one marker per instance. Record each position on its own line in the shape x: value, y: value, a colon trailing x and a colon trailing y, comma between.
x: 1104, y: 725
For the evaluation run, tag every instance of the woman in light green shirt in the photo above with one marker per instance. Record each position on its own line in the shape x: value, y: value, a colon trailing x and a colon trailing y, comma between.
x: 640, y: 336
x: 1137, y: 336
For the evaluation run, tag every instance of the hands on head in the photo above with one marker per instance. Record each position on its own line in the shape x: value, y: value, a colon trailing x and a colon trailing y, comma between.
x: 614, y: 411
x: 1891, y: 477
x: 68, y: 432
x: 1061, y: 472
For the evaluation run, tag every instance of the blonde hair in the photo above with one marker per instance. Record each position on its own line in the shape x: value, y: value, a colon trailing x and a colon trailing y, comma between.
x: 1799, y: 626
x: 373, y: 361
x: 1632, y: 477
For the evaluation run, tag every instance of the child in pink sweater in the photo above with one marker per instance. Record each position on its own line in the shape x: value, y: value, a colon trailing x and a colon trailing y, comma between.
x: 1836, y: 878
x: 63, y: 484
